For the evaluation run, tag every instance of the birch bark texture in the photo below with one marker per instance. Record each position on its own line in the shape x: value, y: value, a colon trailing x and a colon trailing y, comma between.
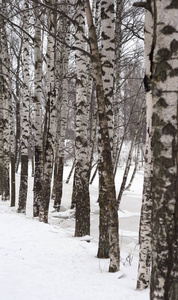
x: 82, y: 197
x: 25, y: 114
x: 37, y: 100
x: 164, y: 275
x: 107, y: 60
x: 50, y: 130
x: 117, y: 73
x: 107, y: 54
x: 62, y: 59
x: 1, y: 119
x: 5, y: 64
x: 146, y: 210
x: 105, y: 161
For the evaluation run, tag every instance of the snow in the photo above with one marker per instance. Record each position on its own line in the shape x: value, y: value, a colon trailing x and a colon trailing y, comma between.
x: 46, y: 262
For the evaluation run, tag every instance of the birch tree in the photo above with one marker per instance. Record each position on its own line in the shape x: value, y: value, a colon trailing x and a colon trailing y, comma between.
x: 117, y: 72
x: 107, y: 59
x: 25, y: 115
x: 81, y: 178
x: 11, y: 116
x: 50, y: 127
x: 1, y: 122
x: 105, y: 163
x: 164, y: 58
x: 145, y: 219
x: 107, y: 65
x: 4, y: 61
x: 37, y: 112
x: 18, y: 98
x: 12, y: 157
x: 62, y: 60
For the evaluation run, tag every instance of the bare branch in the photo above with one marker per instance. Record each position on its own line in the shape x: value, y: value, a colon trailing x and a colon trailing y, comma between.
x: 13, y: 24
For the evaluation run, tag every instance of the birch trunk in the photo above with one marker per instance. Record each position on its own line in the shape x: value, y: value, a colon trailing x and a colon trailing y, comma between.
x: 145, y: 219
x: 107, y: 60
x: 1, y: 124
x: 93, y: 128
x: 63, y: 119
x: 117, y: 71
x: 81, y: 184
x: 5, y: 63
x: 37, y: 113
x: 25, y: 116
x: 164, y: 63
x: 62, y: 107
x: 11, y: 130
x: 18, y: 100
x: 105, y: 163
x: 107, y: 65
x: 50, y: 131
x: 12, y: 151
x: 18, y: 132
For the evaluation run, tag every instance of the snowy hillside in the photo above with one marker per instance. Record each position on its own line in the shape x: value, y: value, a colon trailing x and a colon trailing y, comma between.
x: 45, y: 262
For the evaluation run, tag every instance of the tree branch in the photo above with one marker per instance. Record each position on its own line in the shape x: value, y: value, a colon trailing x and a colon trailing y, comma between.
x: 13, y: 24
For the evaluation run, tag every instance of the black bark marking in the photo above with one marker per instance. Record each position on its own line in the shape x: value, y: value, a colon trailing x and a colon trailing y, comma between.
x: 155, y: 91
x: 151, y: 61
x: 161, y: 71
x: 169, y: 129
x: 156, y: 136
x: 168, y: 30
x: 167, y: 162
x: 161, y: 103
x: 156, y: 121
x: 174, y: 46
x: 158, y: 147
x: 163, y: 54
x: 174, y: 4
x: 174, y: 72
x: 146, y: 83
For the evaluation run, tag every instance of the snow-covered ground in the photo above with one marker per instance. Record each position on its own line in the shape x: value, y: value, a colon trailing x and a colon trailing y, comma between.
x: 45, y: 262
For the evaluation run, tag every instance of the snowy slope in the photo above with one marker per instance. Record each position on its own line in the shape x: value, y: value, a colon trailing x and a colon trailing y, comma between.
x: 45, y: 262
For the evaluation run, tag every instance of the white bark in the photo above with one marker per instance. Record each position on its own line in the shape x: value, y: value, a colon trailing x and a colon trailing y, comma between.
x: 50, y: 130
x: 145, y: 221
x: 107, y: 60
x: 81, y: 184
x: 117, y: 73
x: 62, y: 59
x: 1, y: 126
x: 25, y: 114
x: 108, y: 200
x: 164, y: 276
x: 5, y: 64
x: 38, y: 95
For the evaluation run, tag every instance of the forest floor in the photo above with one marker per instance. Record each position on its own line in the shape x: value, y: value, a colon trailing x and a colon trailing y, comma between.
x: 45, y: 262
